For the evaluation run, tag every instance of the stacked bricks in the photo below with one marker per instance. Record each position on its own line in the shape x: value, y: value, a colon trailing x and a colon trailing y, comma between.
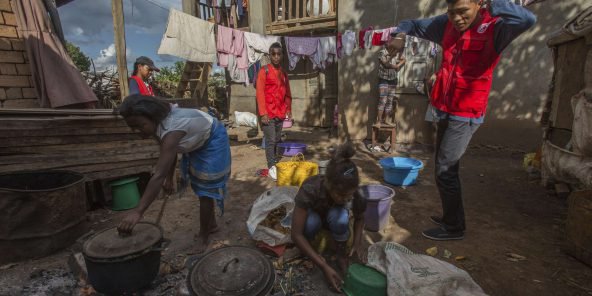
x: 16, y: 85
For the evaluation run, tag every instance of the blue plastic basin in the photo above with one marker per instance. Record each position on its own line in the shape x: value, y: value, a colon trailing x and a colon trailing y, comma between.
x: 400, y: 171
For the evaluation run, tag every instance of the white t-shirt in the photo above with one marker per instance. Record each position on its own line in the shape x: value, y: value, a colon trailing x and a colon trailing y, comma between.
x: 196, y: 125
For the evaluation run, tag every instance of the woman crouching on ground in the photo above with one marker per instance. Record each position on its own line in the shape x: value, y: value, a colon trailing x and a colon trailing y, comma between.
x: 325, y: 202
x: 206, y: 157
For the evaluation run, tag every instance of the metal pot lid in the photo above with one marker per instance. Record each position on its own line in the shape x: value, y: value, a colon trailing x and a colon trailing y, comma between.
x: 232, y: 271
x: 108, y: 244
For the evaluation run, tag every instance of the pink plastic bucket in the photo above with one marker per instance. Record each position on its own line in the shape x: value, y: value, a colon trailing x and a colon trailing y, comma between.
x: 378, y: 206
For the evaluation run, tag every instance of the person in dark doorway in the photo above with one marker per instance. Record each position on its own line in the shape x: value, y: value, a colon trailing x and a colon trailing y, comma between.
x: 325, y: 202
x: 206, y: 157
x: 138, y: 82
x: 473, y: 35
x: 390, y: 62
x: 274, y: 101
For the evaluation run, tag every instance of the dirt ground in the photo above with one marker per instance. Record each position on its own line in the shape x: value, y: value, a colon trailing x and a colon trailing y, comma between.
x: 506, y: 212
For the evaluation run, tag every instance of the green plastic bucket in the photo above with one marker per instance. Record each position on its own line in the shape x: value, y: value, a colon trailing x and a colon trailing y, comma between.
x: 125, y: 194
x: 362, y: 280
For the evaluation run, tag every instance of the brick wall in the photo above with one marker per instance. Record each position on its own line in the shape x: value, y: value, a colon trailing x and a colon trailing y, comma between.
x: 16, y: 88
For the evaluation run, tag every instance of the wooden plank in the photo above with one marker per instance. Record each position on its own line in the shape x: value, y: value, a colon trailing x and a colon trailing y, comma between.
x: 75, y: 156
x: 54, y: 123
x: 284, y: 9
x: 298, y: 8
x: 119, y: 173
x: 113, y: 166
x: 42, y: 141
x: 320, y: 7
x: 46, y: 149
x: 64, y: 132
x: 276, y: 12
x: 62, y: 162
x: 120, y: 48
x: 305, y: 19
x: 54, y: 112
x: 327, y: 25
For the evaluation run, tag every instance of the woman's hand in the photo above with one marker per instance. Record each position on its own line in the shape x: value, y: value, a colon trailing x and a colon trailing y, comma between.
x: 333, y: 278
x: 128, y: 223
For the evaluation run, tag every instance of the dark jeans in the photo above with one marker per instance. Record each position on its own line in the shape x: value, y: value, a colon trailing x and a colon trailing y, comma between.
x: 452, y: 141
x: 272, y: 133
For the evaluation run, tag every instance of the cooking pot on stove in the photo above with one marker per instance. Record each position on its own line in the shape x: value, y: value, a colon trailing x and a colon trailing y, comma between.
x: 119, y: 265
x: 232, y: 271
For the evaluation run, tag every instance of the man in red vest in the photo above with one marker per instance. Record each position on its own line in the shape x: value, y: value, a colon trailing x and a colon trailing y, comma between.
x: 473, y: 35
x: 274, y: 101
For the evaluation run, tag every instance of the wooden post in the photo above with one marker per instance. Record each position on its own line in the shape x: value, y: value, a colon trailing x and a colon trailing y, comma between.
x: 119, y: 35
x: 189, y: 7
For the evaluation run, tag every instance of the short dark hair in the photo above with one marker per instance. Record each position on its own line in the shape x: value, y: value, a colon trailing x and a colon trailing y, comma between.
x: 342, y: 173
x: 274, y: 46
x: 156, y: 110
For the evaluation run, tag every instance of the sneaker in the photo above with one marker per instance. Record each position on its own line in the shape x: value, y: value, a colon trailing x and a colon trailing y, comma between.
x: 437, y: 220
x: 441, y: 234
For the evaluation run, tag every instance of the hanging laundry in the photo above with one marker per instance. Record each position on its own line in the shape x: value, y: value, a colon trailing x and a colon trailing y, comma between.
x: 386, y: 33
x: 339, y: 45
x: 237, y: 75
x: 252, y: 73
x: 299, y: 47
x: 377, y: 38
x: 368, y: 39
x: 349, y: 42
x: 189, y: 38
x: 362, y: 37
x: 258, y: 45
x: 230, y: 42
x: 327, y: 51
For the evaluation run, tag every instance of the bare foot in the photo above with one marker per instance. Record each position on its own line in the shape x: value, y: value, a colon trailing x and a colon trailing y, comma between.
x: 201, y: 245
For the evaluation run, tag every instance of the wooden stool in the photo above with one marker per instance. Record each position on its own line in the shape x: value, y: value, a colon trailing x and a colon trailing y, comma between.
x: 392, y: 128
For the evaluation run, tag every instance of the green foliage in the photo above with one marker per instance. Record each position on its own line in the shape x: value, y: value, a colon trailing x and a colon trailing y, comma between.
x: 81, y: 61
x: 170, y: 74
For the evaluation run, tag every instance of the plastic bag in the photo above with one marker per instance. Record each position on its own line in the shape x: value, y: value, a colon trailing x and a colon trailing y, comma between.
x: 582, y: 124
x: 413, y: 274
x: 265, y: 204
x: 245, y: 119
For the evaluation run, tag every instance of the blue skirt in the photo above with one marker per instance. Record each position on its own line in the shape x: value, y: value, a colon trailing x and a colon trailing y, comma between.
x: 208, y: 168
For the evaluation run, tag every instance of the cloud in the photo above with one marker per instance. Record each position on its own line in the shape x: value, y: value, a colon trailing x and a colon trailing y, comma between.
x: 85, y: 20
x: 107, y: 58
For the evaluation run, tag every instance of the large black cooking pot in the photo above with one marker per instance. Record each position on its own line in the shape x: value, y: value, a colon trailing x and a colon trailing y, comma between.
x: 124, y: 264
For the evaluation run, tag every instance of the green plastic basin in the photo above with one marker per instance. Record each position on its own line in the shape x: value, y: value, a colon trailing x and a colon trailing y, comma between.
x: 362, y: 280
x: 125, y: 194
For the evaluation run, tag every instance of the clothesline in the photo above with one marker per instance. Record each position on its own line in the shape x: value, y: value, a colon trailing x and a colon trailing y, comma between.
x: 241, y: 52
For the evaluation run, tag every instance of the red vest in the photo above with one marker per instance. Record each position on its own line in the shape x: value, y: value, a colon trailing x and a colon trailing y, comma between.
x: 464, y: 79
x: 144, y: 90
x: 276, y: 89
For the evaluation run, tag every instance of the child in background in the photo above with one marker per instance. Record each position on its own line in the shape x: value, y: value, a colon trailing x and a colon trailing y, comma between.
x: 390, y: 61
x: 325, y: 202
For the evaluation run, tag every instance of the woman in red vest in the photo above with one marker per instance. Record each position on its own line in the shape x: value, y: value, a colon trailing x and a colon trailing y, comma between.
x: 138, y: 82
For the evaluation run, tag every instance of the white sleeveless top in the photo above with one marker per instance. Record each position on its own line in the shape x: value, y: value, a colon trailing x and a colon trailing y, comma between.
x: 195, y: 123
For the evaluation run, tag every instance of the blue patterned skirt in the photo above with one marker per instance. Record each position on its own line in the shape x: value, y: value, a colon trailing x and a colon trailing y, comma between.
x: 208, y: 168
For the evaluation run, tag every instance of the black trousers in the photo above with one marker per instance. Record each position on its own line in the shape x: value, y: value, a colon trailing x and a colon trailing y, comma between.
x: 272, y: 132
x: 452, y: 141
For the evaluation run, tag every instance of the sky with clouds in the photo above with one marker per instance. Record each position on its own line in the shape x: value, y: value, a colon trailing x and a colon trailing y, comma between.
x: 89, y: 25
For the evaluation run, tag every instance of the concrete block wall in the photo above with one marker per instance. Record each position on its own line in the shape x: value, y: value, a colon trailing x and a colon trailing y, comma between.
x: 16, y: 85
